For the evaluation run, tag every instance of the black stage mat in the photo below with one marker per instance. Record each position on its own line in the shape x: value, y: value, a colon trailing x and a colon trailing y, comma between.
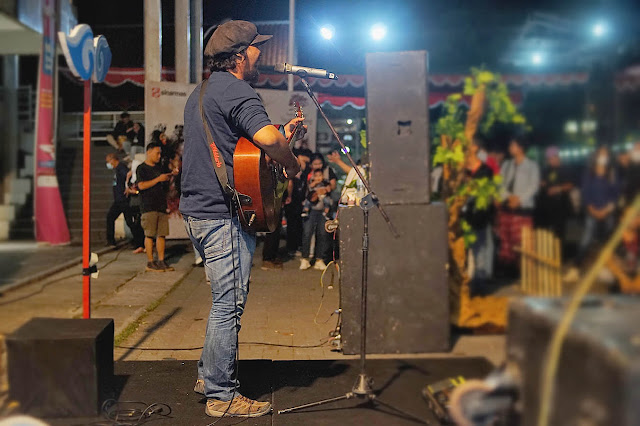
x: 288, y: 383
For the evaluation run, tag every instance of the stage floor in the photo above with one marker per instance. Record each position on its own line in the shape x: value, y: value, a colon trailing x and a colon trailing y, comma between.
x: 398, y: 384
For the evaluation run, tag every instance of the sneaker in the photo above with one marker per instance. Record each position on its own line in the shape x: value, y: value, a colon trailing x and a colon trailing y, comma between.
x: 199, y: 387
x: 319, y: 265
x: 268, y: 265
x: 240, y: 406
x: 572, y: 275
x: 165, y: 266
x: 153, y: 267
x: 304, y: 264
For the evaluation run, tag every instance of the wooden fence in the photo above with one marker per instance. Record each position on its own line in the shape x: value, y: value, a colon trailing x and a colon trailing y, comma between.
x: 541, y: 263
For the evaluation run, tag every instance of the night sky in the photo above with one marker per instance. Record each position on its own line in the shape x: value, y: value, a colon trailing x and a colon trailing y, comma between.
x: 458, y: 34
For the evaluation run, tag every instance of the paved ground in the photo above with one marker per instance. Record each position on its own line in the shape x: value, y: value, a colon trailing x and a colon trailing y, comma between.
x: 22, y: 259
x: 285, y: 317
x: 122, y: 291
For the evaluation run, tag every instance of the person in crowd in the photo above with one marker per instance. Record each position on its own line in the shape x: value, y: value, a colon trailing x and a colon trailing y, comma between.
x: 553, y: 205
x: 168, y: 149
x: 600, y: 191
x: 119, y: 134
x: 352, y: 181
x: 155, y: 221
x: 480, y: 219
x: 629, y: 174
x: 120, y: 203
x: 314, y: 223
x: 317, y: 194
x: 135, y: 203
x: 296, y: 191
x: 489, y: 160
x: 495, y: 158
x: 318, y: 163
x: 520, y: 183
x: 135, y: 140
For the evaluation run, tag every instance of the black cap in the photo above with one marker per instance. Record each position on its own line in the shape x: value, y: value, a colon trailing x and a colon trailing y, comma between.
x: 233, y: 37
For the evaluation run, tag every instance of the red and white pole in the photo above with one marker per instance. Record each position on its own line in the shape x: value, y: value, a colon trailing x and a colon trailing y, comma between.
x: 86, y: 203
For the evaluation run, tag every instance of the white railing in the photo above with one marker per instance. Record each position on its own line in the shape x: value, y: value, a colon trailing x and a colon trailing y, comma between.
x: 102, y: 123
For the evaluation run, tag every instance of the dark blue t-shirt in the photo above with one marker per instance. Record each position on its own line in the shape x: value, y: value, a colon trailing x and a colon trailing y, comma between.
x: 233, y: 110
x: 119, y: 179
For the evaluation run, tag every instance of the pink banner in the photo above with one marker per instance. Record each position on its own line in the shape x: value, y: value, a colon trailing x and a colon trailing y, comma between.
x: 50, y: 221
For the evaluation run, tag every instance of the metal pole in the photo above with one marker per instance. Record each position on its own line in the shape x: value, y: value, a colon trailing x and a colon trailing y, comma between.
x: 291, y: 53
x: 363, y: 301
x: 86, y: 203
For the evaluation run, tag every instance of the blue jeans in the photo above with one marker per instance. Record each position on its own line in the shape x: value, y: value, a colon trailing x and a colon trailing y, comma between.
x: 314, y: 224
x: 227, y: 251
x: 594, y: 229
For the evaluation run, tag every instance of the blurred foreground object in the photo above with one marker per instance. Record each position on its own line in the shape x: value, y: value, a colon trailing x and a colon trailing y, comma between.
x: 598, y: 374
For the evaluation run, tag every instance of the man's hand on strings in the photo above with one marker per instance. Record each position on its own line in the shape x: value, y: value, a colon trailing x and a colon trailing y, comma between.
x: 291, y: 125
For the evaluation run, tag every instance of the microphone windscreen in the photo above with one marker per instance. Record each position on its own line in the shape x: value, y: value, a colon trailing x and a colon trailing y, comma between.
x: 279, y: 68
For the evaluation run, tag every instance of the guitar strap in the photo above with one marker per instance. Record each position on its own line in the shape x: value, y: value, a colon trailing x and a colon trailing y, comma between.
x: 216, y: 158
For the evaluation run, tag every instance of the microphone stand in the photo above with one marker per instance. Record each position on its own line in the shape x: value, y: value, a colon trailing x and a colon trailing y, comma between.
x: 363, y: 385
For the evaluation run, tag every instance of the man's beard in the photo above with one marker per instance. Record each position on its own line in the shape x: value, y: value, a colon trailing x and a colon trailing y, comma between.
x: 252, y: 75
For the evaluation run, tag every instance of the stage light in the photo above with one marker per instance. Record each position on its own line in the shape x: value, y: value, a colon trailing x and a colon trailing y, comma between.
x: 327, y: 32
x: 378, y: 31
x: 599, y: 29
x: 346, y: 150
x: 349, y: 121
x: 536, y: 58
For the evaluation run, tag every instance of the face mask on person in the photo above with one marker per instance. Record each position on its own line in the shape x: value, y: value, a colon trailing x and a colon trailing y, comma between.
x: 109, y: 166
x: 635, y: 155
x: 602, y: 160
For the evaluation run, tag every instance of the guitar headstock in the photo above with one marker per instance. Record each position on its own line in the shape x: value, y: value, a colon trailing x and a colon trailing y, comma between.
x: 299, y: 113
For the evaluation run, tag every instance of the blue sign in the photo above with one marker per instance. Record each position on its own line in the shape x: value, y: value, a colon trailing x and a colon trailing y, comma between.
x: 87, y: 57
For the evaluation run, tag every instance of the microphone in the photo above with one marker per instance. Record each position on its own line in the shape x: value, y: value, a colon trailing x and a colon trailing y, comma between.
x: 285, y: 68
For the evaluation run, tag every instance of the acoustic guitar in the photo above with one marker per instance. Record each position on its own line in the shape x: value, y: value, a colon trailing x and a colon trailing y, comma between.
x: 260, y: 183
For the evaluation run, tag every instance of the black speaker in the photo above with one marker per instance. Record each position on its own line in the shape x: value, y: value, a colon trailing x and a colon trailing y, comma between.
x: 60, y: 367
x: 398, y: 126
x: 598, y: 375
x: 408, y: 296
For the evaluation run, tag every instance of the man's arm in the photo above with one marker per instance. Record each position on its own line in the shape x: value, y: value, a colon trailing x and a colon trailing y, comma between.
x: 275, y: 146
x: 334, y: 157
x: 142, y: 185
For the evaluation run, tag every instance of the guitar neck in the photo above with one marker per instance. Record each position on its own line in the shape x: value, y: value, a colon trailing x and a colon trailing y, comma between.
x: 292, y: 138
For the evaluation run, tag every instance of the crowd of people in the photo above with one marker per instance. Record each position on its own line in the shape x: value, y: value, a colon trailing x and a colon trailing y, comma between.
x: 146, y: 181
x: 529, y: 197
x: 548, y: 199
x: 147, y: 187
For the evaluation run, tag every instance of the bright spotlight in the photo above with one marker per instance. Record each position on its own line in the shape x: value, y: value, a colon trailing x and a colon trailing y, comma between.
x: 327, y: 32
x: 599, y: 29
x: 536, y: 58
x: 378, y: 31
x: 349, y: 121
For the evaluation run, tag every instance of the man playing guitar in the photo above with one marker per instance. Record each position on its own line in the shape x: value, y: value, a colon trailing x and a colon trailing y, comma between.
x: 231, y: 109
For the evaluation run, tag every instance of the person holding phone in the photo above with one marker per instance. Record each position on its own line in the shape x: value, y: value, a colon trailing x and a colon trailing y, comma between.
x: 153, y: 186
